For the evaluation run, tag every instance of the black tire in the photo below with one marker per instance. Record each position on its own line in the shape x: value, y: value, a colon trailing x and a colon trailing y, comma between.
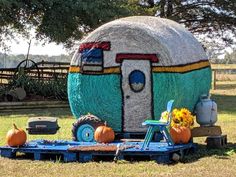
x: 27, y: 64
x: 89, y: 119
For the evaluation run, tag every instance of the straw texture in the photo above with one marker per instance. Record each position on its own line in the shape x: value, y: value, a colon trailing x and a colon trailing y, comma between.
x: 182, y: 73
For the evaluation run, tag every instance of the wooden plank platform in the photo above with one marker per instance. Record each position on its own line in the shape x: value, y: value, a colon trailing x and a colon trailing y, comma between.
x: 206, y: 131
x: 71, y: 151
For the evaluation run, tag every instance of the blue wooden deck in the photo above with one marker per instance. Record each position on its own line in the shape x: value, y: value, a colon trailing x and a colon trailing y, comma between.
x: 157, y: 151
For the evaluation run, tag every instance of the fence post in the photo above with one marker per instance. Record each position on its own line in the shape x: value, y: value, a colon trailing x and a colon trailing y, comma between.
x: 214, y: 79
x: 42, y: 74
x: 1, y: 82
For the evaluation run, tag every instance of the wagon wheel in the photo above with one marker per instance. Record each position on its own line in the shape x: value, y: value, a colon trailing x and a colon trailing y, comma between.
x: 83, y: 129
x: 24, y: 67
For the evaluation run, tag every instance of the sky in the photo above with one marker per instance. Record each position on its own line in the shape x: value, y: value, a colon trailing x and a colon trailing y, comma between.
x: 50, y: 49
x: 37, y: 48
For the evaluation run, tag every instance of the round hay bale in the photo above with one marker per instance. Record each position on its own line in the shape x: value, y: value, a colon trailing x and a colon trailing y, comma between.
x: 127, y: 70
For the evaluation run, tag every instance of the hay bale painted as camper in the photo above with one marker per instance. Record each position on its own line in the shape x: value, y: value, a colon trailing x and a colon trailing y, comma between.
x: 126, y: 71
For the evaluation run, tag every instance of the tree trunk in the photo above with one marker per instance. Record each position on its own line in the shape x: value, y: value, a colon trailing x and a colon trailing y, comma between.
x: 151, y: 3
x: 162, y: 8
x: 169, y: 8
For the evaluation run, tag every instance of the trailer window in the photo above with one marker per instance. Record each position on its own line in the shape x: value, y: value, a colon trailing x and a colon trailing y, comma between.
x: 92, y: 60
x: 137, y: 80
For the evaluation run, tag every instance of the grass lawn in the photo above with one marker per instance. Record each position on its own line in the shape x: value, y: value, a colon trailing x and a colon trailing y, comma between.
x: 202, y: 163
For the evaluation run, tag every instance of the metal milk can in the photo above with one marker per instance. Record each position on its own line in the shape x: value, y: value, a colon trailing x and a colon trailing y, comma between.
x: 206, y: 111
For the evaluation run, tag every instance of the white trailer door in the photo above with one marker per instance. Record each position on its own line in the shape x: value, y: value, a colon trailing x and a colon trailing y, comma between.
x: 137, y: 94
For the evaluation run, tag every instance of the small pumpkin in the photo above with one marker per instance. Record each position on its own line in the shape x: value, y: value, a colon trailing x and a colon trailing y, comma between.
x: 16, y: 136
x: 104, y: 134
x: 180, y: 134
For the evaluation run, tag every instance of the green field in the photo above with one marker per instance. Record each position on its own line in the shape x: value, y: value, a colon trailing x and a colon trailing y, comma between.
x: 20, y: 119
x: 203, y: 162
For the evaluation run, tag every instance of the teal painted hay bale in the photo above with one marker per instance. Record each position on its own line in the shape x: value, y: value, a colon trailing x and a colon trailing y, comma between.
x: 125, y: 71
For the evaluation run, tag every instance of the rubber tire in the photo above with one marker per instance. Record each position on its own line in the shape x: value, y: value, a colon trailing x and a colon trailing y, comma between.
x: 34, y: 66
x: 87, y: 119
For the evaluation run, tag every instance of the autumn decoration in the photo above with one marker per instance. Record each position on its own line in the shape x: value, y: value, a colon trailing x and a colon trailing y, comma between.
x: 104, y: 134
x: 181, y: 125
x: 16, y: 136
x: 180, y: 134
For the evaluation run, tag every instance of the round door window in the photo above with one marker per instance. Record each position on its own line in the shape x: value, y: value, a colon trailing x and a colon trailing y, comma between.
x: 137, y: 80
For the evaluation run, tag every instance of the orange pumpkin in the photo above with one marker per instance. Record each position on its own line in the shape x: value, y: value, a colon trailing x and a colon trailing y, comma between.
x: 104, y: 134
x: 16, y: 136
x: 180, y: 134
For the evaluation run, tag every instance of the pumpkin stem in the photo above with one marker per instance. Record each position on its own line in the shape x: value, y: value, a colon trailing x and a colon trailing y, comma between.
x: 14, y: 125
x: 105, y: 123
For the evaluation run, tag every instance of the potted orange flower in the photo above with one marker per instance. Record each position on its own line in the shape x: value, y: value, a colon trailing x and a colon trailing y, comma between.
x: 182, y: 122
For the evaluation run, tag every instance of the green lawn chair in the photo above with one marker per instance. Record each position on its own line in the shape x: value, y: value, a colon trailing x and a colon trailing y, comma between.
x: 162, y: 126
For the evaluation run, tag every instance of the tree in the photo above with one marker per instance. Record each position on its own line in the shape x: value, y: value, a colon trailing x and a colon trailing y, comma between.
x: 216, y: 18
x: 230, y: 58
x: 57, y: 20
x: 68, y: 20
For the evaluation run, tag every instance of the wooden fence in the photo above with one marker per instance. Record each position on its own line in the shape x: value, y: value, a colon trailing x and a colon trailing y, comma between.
x: 52, y: 70
x: 45, y: 71
x: 221, y: 68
